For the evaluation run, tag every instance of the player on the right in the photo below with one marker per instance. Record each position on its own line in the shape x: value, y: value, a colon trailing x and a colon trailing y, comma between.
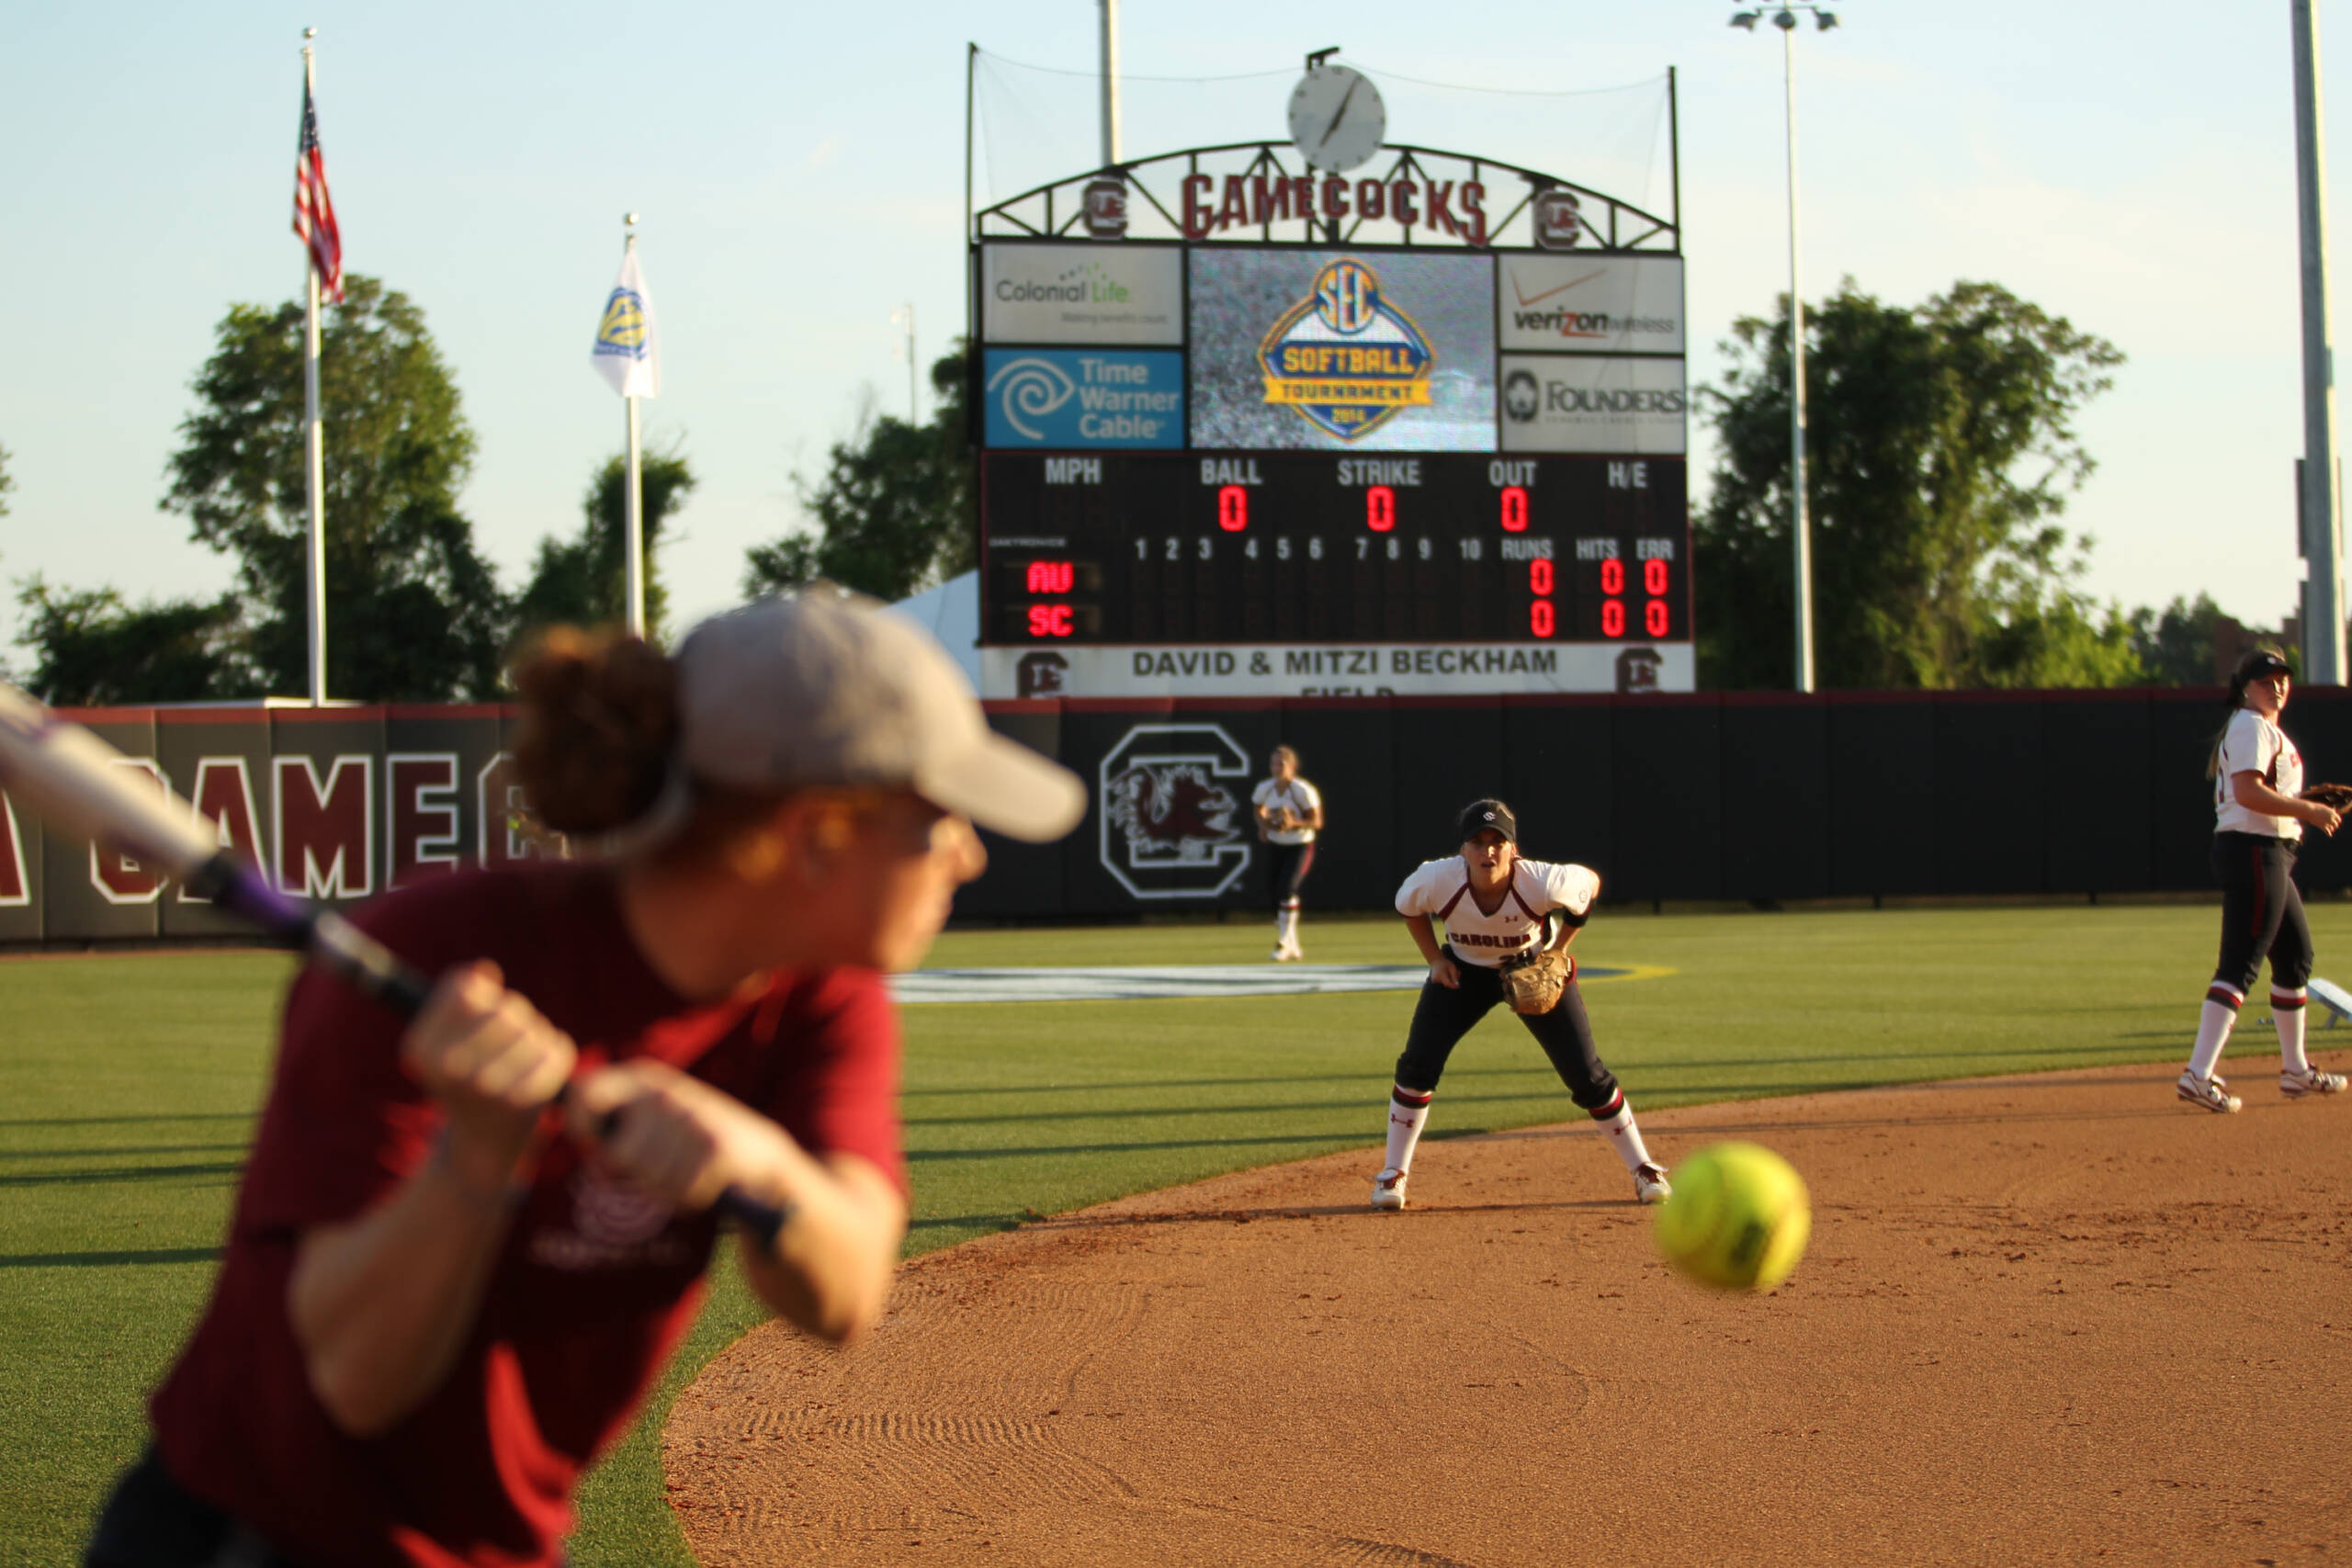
x: 2259, y: 811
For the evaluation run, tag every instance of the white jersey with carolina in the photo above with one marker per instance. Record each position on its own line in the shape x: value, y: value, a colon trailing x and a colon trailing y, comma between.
x: 1298, y: 797
x: 1440, y: 890
x: 2253, y: 744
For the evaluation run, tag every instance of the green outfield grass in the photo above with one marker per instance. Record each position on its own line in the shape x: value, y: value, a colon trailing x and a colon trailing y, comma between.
x: 127, y: 1087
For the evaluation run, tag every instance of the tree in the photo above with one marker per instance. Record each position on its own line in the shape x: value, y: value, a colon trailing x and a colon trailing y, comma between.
x: 95, y: 651
x: 6, y: 484
x: 1939, y: 447
x: 413, y: 610
x: 897, y: 509
x: 584, y: 579
x: 2176, y: 644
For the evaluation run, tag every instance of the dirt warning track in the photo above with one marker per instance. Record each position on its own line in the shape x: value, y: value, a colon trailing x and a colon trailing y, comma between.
x: 2045, y: 1319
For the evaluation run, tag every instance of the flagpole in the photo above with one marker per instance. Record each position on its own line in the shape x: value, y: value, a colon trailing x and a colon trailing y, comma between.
x: 633, y: 543
x: 314, y: 437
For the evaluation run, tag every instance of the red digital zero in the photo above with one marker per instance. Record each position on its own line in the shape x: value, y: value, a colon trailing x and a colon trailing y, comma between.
x: 1514, y: 510
x: 1233, y: 508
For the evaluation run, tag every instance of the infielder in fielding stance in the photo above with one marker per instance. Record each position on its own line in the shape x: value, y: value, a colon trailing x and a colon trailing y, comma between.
x: 2260, y: 810
x: 465, y: 1247
x: 1290, y: 813
x: 1509, y: 922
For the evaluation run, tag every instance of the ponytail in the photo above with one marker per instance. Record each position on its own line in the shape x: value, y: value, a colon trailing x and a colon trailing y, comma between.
x: 599, y: 722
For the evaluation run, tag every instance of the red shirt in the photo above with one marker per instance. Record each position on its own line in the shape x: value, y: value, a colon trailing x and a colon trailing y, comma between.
x: 595, y: 1284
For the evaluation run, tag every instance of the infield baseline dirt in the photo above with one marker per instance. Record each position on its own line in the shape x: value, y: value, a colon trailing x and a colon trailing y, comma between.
x: 2045, y: 1319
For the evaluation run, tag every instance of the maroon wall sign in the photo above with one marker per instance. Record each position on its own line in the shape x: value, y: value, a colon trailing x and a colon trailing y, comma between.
x: 337, y: 805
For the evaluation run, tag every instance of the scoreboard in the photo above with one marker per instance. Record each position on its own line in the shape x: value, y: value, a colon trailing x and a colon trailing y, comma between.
x: 1226, y: 468
x: 1284, y: 547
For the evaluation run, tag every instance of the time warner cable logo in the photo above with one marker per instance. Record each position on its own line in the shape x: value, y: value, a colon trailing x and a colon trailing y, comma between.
x: 1033, y: 389
x: 1065, y: 397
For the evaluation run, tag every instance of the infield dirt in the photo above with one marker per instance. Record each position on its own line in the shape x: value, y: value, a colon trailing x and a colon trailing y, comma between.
x: 2043, y: 1319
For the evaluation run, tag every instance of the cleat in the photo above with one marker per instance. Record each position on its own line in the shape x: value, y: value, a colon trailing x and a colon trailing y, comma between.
x: 2211, y: 1093
x: 1650, y: 1185
x: 2294, y: 1085
x: 1388, y: 1189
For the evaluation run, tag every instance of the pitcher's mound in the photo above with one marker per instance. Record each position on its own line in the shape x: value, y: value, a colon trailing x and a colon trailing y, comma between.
x: 2043, y: 1320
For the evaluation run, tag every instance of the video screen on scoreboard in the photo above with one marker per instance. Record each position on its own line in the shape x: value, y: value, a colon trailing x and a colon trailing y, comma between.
x: 1333, y: 350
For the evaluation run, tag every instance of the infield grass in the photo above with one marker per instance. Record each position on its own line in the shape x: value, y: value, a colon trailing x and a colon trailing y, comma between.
x: 127, y: 1084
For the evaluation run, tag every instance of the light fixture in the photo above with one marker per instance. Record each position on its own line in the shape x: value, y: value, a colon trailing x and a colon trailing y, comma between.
x: 1784, y: 20
x: 1744, y: 19
x: 1825, y: 20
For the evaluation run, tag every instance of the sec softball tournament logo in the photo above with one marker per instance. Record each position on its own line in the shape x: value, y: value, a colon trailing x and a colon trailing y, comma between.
x: 1170, y: 804
x: 622, y: 332
x: 1345, y: 357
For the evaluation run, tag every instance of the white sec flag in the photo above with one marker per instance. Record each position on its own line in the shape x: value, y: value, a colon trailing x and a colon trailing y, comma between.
x: 628, y: 354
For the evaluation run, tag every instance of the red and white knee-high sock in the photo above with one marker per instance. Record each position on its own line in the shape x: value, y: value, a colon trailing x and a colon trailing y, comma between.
x: 1409, y: 1111
x: 2287, y: 1010
x: 2213, y: 1025
x: 1616, y: 1119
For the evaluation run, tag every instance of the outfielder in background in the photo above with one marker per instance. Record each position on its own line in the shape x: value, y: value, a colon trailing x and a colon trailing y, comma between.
x: 1509, y: 922
x: 1290, y: 814
x: 2260, y: 808
x: 464, y: 1247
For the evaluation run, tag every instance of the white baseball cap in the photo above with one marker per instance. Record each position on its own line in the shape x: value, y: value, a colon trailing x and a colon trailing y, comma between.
x: 820, y: 687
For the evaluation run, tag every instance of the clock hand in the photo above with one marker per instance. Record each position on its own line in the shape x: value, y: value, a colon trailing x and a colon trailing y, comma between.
x: 1343, y: 110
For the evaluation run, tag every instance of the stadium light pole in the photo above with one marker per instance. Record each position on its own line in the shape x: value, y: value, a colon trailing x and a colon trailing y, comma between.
x: 2322, y: 524
x: 1785, y: 19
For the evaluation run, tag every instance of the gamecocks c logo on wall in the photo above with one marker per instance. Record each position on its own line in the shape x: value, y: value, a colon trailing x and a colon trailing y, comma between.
x: 1171, y: 797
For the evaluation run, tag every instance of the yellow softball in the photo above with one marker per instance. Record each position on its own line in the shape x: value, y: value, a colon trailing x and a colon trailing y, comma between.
x: 1739, y: 1217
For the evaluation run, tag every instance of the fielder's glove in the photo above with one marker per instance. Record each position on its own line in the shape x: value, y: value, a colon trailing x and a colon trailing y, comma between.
x: 1533, y: 980
x: 2334, y: 796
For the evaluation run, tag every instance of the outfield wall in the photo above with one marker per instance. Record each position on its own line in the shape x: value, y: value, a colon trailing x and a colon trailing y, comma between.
x: 1739, y: 797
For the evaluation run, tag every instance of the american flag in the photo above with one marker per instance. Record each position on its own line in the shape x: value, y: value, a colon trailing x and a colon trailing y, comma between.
x: 313, y: 208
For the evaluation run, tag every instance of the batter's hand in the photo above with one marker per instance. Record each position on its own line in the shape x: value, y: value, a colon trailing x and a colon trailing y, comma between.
x: 487, y: 1056
x: 1443, y: 970
x: 673, y: 1137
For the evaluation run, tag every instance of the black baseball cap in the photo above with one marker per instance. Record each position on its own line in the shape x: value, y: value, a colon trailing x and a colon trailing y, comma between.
x: 1481, y: 815
x: 2261, y: 663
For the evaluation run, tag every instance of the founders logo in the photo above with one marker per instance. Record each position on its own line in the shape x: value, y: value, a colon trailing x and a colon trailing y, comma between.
x: 1522, y: 395
x: 1345, y: 357
x: 1169, y: 798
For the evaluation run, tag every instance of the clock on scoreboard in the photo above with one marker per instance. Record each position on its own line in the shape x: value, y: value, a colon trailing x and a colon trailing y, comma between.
x: 1203, y: 548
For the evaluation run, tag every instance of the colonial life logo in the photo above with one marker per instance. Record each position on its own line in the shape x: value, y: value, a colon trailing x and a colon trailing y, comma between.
x: 1344, y: 358
x: 1170, y: 798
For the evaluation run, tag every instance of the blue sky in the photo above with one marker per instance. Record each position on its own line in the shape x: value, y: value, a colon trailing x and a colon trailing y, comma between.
x: 801, y: 171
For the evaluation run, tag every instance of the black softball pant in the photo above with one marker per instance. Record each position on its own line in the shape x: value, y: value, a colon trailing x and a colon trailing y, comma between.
x: 2262, y: 913
x: 1286, y: 869
x: 1443, y: 1016
x: 149, y: 1522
